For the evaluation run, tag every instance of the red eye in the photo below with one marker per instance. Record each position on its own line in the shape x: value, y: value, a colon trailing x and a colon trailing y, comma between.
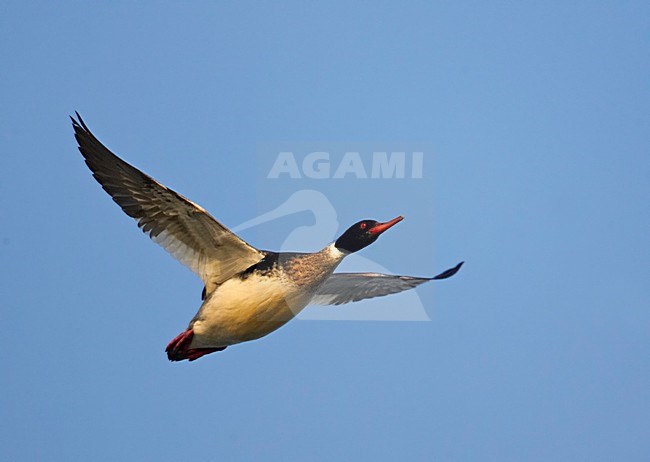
x: 363, y: 226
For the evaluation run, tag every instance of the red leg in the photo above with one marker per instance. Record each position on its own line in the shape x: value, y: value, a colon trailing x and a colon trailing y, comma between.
x: 196, y: 353
x: 179, y: 348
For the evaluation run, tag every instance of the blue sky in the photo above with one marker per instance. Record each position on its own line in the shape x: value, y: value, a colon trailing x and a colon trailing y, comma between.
x: 538, y: 177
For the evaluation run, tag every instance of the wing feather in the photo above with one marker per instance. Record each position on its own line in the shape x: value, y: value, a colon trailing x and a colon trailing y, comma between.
x: 343, y: 288
x: 183, y: 228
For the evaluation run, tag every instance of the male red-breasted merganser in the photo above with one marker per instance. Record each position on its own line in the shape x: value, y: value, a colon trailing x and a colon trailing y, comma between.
x: 248, y: 293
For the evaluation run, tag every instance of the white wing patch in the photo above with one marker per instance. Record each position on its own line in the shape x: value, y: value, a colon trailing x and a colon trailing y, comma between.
x: 180, y: 226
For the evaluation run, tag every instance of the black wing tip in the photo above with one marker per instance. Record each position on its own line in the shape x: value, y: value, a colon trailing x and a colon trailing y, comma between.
x: 450, y: 272
x: 78, y: 122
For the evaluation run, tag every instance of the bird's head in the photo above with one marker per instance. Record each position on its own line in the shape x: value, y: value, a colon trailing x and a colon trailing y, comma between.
x: 362, y: 234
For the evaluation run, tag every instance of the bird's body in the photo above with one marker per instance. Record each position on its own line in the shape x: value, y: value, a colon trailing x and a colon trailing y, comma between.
x: 248, y: 293
x: 262, y: 298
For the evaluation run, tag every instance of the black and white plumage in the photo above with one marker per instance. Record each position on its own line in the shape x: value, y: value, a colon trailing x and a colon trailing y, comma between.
x: 248, y: 292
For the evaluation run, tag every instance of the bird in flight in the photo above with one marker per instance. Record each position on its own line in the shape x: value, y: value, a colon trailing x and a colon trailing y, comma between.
x: 248, y: 293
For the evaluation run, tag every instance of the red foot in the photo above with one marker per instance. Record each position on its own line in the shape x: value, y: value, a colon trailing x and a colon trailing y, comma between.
x: 179, y: 348
x: 196, y: 353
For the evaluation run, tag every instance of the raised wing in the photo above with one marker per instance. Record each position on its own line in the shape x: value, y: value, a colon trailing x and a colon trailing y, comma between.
x: 351, y: 287
x: 180, y: 226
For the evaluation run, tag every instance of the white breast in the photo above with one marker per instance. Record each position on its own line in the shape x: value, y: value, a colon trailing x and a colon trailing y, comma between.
x: 248, y: 309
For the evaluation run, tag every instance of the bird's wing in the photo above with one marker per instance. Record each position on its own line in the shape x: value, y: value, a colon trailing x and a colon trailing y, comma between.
x: 180, y: 226
x: 351, y: 287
